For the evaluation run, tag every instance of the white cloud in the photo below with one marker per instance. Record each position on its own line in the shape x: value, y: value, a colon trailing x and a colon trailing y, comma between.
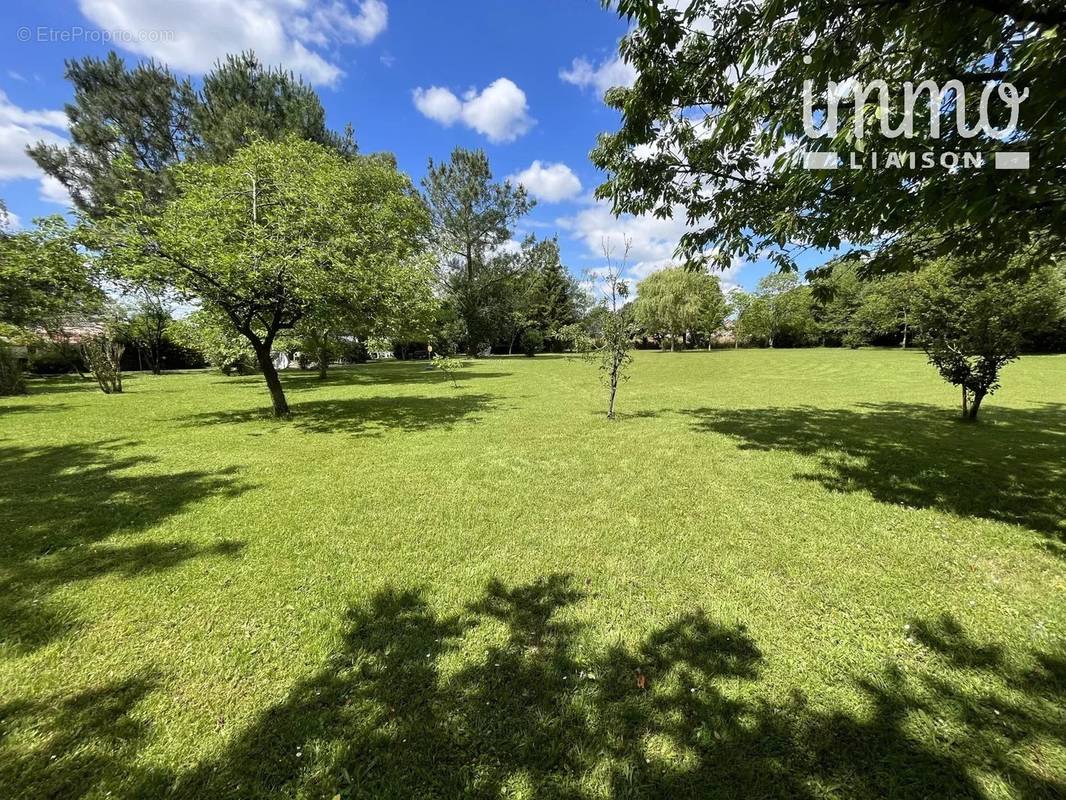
x: 191, y: 35
x: 439, y: 104
x: 52, y: 191
x: 549, y: 182
x: 510, y: 247
x: 20, y: 128
x: 499, y: 111
x: 652, y: 240
x: 610, y: 72
x: 10, y: 221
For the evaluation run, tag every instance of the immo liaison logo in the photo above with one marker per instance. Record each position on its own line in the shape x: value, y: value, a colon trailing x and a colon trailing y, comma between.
x: 927, y: 97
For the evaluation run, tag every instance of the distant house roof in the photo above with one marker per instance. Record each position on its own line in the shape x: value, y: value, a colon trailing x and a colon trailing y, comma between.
x: 75, y: 332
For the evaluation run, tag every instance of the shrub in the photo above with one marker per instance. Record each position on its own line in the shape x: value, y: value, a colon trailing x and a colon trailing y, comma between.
x: 55, y: 358
x: 532, y: 342
x: 353, y: 352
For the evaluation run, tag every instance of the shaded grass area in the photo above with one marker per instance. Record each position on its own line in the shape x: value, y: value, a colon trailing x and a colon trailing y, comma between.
x: 536, y: 715
x: 922, y: 456
x: 778, y: 575
x: 366, y: 415
x: 70, y: 499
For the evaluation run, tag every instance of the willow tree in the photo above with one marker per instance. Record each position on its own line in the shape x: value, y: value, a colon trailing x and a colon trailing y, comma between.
x: 677, y: 301
x: 275, y: 234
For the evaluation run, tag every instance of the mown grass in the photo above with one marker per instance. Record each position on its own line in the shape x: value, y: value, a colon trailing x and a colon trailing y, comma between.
x: 782, y: 574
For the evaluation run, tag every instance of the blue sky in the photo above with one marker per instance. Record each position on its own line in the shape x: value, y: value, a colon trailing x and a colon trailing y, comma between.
x: 522, y: 80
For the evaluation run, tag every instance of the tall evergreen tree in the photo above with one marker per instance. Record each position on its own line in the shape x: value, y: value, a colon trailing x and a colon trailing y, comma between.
x: 555, y: 294
x: 126, y: 127
x: 472, y: 217
x: 241, y: 99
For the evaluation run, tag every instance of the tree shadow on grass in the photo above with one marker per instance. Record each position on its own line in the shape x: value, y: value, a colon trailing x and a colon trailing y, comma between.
x: 34, y: 408
x: 1009, y: 468
x: 65, y: 746
x: 60, y: 384
x: 380, y: 374
x: 397, y: 712
x: 365, y: 416
x: 57, y: 506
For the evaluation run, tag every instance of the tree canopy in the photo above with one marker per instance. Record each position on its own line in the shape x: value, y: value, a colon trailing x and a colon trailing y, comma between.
x: 139, y: 118
x: 274, y: 233
x: 128, y: 125
x: 44, y: 278
x: 713, y: 128
x: 676, y: 301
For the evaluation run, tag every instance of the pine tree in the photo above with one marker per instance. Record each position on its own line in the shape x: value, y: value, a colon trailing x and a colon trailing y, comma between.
x: 126, y: 127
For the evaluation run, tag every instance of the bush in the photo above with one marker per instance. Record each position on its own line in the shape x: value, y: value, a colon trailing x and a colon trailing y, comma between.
x: 532, y: 342
x: 353, y: 352
x: 55, y: 359
x: 238, y: 365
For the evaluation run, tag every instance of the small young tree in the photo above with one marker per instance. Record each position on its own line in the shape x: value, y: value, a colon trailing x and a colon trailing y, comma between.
x: 151, y: 315
x: 972, y: 324
x: 613, y: 351
x: 278, y: 232
x: 449, y: 366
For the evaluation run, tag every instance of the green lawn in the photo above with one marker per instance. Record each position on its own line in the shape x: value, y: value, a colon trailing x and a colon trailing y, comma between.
x: 787, y: 573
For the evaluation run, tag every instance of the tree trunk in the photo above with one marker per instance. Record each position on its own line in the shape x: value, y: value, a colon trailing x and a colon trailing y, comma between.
x: 904, y: 330
x: 615, y: 364
x: 975, y: 405
x: 270, y: 373
x: 323, y: 362
x: 965, y: 403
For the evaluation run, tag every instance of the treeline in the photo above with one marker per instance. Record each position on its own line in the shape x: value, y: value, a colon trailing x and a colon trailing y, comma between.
x: 840, y: 307
x: 230, y: 224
